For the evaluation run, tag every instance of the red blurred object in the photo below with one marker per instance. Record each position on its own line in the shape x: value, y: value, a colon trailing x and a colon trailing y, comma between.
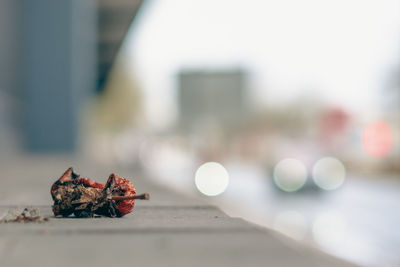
x: 377, y: 139
x: 333, y: 126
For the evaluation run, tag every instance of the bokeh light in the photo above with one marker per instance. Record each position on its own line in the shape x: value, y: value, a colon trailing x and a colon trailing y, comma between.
x: 329, y: 173
x: 291, y: 223
x: 290, y: 175
x: 377, y: 139
x: 329, y: 229
x: 211, y: 179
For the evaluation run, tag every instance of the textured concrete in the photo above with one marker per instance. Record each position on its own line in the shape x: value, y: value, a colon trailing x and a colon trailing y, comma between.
x: 168, y: 230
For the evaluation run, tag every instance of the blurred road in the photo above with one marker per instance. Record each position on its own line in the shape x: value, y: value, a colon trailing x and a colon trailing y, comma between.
x: 358, y: 222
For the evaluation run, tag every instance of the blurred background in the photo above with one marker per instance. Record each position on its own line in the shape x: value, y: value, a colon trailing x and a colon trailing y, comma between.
x: 283, y: 112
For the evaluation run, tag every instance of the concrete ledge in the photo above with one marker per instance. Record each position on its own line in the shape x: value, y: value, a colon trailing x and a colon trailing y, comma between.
x: 152, y: 236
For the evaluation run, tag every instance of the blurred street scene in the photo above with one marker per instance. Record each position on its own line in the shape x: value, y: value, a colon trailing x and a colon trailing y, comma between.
x: 284, y: 113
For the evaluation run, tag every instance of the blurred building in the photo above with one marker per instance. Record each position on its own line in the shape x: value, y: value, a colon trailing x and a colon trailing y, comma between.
x: 207, y: 98
x: 53, y: 55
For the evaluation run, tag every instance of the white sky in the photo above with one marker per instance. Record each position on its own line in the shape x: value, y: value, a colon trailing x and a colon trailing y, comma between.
x: 339, y: 51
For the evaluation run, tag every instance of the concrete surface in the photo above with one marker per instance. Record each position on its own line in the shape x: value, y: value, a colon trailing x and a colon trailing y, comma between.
x: 168, y: 230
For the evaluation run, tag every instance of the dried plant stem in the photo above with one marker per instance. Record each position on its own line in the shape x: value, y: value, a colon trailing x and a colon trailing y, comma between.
x: 145, y: 196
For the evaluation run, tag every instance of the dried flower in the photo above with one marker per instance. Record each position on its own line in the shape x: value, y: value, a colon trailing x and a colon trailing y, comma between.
x: 85, y: 197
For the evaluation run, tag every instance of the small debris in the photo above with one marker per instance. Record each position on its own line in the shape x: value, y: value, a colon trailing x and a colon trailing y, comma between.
x: 27, y: 215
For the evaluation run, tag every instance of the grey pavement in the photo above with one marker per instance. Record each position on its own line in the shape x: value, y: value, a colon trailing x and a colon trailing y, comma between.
x: 168, y: 230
